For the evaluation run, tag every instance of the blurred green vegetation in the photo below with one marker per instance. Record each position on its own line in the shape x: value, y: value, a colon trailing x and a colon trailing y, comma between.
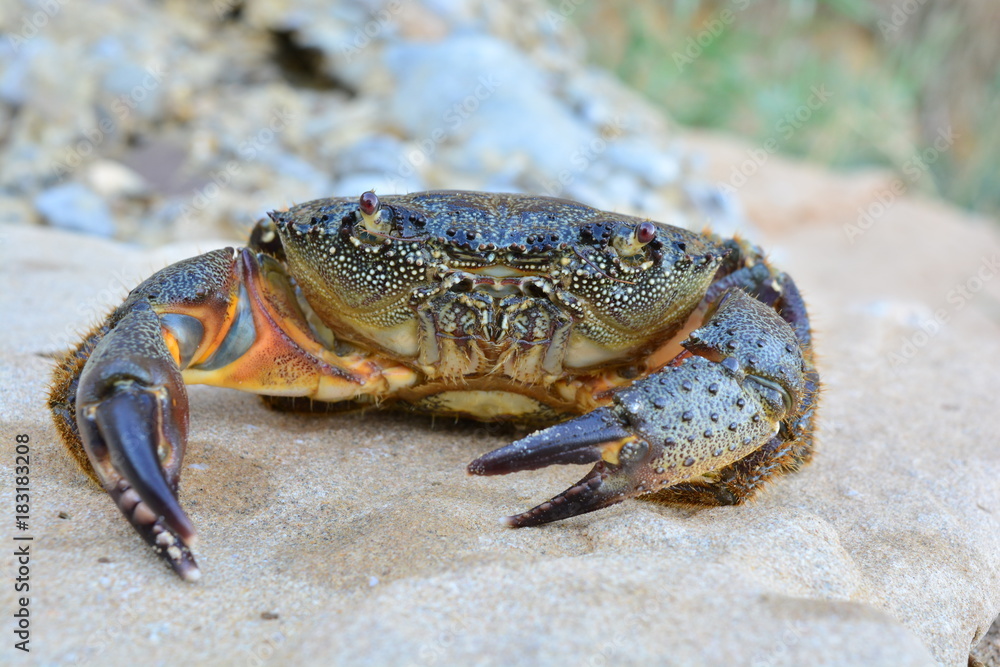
x: 900, y: 74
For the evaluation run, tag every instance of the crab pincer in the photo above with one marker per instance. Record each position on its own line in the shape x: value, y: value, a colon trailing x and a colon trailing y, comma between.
x: 133, y: 419
x: 739, y: 381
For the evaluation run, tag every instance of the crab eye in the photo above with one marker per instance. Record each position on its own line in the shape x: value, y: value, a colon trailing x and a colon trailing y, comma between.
x: 645, y: 232
x: 374, y: 218
x: 369, y: 203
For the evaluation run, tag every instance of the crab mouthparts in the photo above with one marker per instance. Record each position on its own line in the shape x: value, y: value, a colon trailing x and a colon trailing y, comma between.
x: 501, y: 280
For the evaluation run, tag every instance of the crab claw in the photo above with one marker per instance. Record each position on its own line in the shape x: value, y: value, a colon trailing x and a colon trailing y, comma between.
x: 581, y: 440
x: 596, y: 437
x: 680, y: 424
x: 133, y: 422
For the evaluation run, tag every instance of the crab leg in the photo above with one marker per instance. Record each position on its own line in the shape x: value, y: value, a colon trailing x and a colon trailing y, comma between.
x: 740, y: 378
x: 226, y: 318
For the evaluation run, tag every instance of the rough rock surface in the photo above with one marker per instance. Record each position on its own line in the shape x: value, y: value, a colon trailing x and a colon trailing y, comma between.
x: 365, y: 537
x: 359, y: 538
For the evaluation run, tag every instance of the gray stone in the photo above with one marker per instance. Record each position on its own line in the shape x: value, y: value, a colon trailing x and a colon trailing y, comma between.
x: 15, y: 61
x: 488, y: 99
x: 113, y: 180
x: 385, y: 182
x: 75, y: 206
x: 717, y: 208
x: 655, y: 166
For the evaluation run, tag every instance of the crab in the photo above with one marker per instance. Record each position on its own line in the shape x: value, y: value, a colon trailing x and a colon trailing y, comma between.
x: 680, y: 364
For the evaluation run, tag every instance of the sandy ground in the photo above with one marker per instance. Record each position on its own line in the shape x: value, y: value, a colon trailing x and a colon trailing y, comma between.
x: 359, y: 538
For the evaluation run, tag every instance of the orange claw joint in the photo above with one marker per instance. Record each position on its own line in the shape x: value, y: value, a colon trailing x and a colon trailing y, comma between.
x: 702, y: 413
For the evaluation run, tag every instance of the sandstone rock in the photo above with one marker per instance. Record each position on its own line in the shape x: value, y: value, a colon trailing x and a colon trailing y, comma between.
x: 365, y: 536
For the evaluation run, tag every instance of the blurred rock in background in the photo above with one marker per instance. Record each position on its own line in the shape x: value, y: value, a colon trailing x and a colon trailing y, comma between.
x: 161, y: 121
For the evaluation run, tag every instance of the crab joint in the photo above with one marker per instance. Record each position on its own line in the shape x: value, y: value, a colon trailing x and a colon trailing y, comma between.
x: 624, y: 451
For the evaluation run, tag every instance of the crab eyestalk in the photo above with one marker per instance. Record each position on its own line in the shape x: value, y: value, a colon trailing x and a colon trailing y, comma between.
x: 630, y: 242
x: 372, y: 216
